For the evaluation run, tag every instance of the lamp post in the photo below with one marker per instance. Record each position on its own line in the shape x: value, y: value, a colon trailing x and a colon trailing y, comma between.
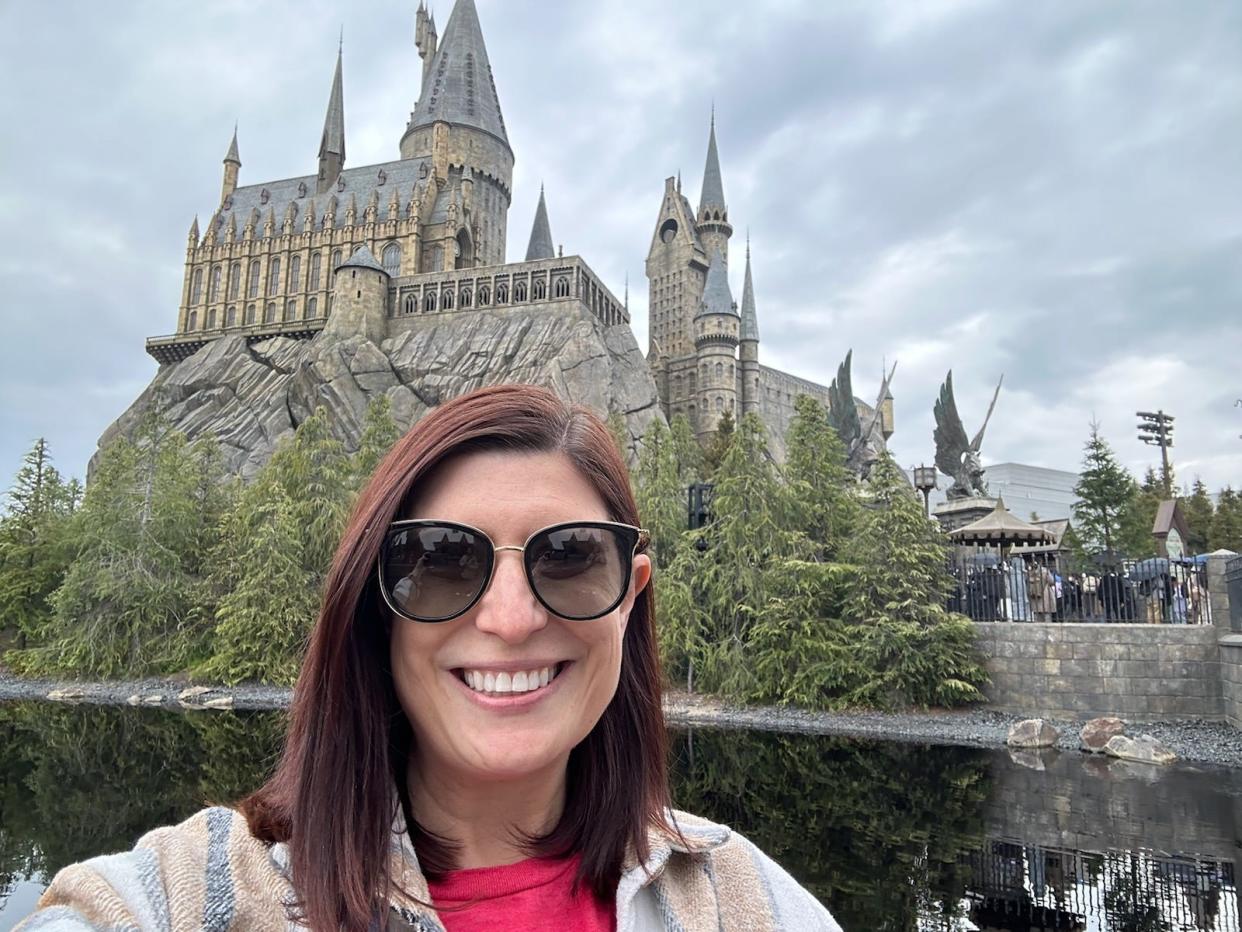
x: 925, y: 481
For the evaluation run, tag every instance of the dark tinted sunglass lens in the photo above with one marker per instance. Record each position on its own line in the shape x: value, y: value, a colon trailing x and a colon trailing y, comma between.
x: 433, y: 572
x: 578, y: 572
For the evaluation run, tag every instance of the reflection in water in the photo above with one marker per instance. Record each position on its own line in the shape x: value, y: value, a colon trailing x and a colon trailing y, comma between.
x: 889, y: 836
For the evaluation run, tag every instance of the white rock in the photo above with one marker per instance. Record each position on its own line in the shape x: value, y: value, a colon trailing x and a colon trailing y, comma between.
x: 1144, y: 750
x: 220, y: 702
x: 1032, y: 733
x: 69, y: 694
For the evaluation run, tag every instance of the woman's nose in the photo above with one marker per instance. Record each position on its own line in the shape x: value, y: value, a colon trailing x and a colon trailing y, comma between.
x: 508, y: 608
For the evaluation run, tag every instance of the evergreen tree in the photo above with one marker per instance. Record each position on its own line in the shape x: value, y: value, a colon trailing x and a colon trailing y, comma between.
x: 822, y: 488
x: 718, y: 448
x: 1135, y: 537
x: 1105, y: 492
x: 1227, y: 522
x: 686, y: 451
x: 620, y: 435
x: 661, y: 497
x: 1198, y: 510
x: 379, y: 433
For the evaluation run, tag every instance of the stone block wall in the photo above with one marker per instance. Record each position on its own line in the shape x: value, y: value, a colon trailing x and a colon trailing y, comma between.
x: 1231, y: 678
x: 1135, y: 671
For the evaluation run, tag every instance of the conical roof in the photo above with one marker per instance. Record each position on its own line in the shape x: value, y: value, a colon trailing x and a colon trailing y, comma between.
x: 459, y: 86
x: 1000, y: 528
x: 540, y: 246
x: 232, y: 155
x: 333, y: 139
x: 717, y: 298
x: 712, y: 195
x: 750, y: 319
x: 363, y: 258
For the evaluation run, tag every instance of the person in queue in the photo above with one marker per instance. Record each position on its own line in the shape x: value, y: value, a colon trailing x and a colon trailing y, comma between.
x: 476, y: 740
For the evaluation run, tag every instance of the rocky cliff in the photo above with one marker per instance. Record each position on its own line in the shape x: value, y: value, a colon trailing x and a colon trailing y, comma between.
x: 251, y: 396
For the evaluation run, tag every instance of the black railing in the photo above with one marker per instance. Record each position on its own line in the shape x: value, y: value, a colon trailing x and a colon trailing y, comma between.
x: 1233, y: 585
x: 1156, y: 591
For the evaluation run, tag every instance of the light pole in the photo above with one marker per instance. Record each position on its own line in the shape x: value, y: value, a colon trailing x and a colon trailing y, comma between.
x: 1157, y: 429
x: 925, y: 481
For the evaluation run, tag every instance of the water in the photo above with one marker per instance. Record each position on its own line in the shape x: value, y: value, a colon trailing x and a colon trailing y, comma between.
x: 889, y: 836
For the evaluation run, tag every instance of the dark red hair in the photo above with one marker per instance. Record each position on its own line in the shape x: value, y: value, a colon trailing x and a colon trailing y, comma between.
x: 332, y: 796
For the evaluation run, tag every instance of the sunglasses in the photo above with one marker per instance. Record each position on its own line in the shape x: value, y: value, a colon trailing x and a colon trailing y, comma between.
x: 437, y: 570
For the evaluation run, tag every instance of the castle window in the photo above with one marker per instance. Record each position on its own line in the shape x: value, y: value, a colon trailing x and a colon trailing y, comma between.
x: 562, y: 287
x: 704, y: 372
x: 213, y: 290
x: 273, y: 276
x: 269, y: 313
x: 230, y: 316
x: 730, y: 404
x: 295, y: 274
x: 249, y: 314
x: 252, y: 287
x: 466, y: 298
x: 411, y: 304
x: 446, y: 301
x: 485, y: 296
x: 429, y: 302
x: 719, y: 404
x: 234, y: 280
x: 336, y: 260
x: 312, y: 307
x: 196, y: 289
x: 719, y: 370
x: 291, y: 310
x: 192, y: 323
x: 519, y: 292
x: 540, y: 289
x: 732, y: 371
x: 502, y: 293
x: 316, y: 263
x: 211, y: 319
x: 392, y: 259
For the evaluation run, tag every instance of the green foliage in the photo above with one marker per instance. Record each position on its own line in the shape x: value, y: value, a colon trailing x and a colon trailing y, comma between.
x: 1227, y: 522
x: 620, y: 435
x: 686, y: 451
x: 1198, y: 510
x: 718, y: 448
x: 660, y: 494
x: 1105, y: 492
x: 379, y: 433
x: 822, y: 488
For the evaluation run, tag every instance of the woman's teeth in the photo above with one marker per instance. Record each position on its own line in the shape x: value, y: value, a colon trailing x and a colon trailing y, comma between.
x: 505, y: 683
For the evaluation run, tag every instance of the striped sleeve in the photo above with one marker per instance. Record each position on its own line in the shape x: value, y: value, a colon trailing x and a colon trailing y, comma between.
x: 793, y: 908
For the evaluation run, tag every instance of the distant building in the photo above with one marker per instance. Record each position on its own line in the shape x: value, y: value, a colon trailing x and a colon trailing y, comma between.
x: 1049, y: 493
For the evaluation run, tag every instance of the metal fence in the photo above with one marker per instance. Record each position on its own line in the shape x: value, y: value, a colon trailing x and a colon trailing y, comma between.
x: 1024, y: 588
x: 1233, y: 584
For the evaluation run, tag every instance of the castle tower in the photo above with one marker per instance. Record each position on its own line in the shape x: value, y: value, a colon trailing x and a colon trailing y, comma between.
x: 713, y: 217
x: 540, y: 246
x: 716, y: 334
x: 332, y: 143
x: 232, y: 166
x: 748, y: 346
x: 457, y: 124
x: 360, y: 298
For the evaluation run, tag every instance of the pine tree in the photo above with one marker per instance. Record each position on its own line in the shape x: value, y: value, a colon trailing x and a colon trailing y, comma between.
x: 1198, y: 510
x: 822, y: 488
x: 686, y: 451
x: 661, y: 497
x: 379, y: 433
x: 620, y: 435
x: 1227, y: 522
x: 718, y: 448
x: 1105, y: 491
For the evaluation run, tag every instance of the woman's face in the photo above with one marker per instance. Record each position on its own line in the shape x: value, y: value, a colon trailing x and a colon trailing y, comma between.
x: 468, y: 736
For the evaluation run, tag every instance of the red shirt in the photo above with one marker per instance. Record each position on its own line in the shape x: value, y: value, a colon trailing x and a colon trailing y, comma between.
x: 529, y: 895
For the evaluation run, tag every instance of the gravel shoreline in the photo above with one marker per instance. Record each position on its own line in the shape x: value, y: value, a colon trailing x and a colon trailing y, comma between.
x: 1192, y: 740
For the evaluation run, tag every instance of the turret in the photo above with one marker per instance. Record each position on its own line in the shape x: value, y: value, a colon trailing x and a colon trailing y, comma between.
x: 748, y: 344
x: 232, y: 165
x: 540, y: 246
x: 193, y: 236
x: 717, y: 328
x: 360, y: 298
x: 425, y: 37
x: 332, y: 142
x: 713, y: 216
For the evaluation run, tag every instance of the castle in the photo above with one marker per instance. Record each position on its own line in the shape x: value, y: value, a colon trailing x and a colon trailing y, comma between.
x: 362, y: 250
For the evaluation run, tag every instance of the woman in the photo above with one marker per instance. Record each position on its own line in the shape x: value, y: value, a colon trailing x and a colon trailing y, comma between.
x: 476, y: 739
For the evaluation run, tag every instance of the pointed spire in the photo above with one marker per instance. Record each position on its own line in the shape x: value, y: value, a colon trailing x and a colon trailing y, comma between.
x: 332, y: 142
x: 194, y: 230
x: 750, y: 319
x: 717, y: 297
x: 232, y: 155
x: 459, y: 86
x: 540, y: 234
x: 712, y: 195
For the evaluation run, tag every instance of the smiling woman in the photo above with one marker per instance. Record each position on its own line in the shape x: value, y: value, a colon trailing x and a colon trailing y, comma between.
x: 476, y: 740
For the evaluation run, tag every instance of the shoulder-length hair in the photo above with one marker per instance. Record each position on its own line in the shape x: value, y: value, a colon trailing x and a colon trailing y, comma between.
x: 331, y: 798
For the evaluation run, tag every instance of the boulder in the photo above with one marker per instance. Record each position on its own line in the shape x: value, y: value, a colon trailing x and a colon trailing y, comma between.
x: 220, y: 702
x: 1144, y: 750
x: 1032, y: 733
x: 1098, y: 732
x: 69, y: 694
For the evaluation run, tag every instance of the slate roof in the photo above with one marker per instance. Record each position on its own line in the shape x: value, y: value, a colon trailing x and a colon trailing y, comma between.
x: 459, y: 87
x: 540, y: 246
x: 713, y: 186
x: 717, y: 298
x: 750, y: 320
x: 362, y: 258
x: 333, y: 139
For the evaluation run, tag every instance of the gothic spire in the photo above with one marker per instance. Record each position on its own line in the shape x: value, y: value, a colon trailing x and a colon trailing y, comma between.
x: 712, y: 195
x: 750, y: 320
x: 232, y: 155
x: 717, y: 297
x: 459, y: 86
x: 541, y: 234
x: 332, y: 143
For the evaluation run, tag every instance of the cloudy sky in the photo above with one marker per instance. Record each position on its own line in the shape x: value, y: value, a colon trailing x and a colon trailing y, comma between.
x: 1050, y: 190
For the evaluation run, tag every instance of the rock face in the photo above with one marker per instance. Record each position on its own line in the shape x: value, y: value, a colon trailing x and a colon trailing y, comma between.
x: 252, y: 396
x: 1097, y: 733
x: 1032, y: 733
x: 1144, y: 749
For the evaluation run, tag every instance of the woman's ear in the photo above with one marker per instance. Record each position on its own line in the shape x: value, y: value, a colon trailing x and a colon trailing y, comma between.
x: 640, y: 577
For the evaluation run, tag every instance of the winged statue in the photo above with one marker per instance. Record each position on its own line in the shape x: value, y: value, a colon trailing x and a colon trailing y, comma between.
x: 955, y: 455
x: 863, y: 441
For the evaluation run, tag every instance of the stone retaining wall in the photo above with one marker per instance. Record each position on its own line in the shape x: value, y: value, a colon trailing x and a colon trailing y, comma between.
x: 1135, y: 671
x: 1231, y: 678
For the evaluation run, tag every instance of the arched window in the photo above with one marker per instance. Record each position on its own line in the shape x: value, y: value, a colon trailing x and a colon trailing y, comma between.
x: 196, y: 287
x: 411, y: 304
x: 429, y: 302
x: 519, y: 292
x: 249, y: 314
x: 730, y: 404
x: 466, y: 298
x: 704, y: 372
x: 192, y: 323
x: 312, y: 308
x: 392, y: 259
x: 291, y: 310
x: 732, y: 371
x: 446, y: 300
x: 234, y: 280
x: 562, y: 287
x: 502, y: 293
x: 269, y: 313
x: 336, y: 260
x: 316, y: 263
x: 273, y: 276
x: 230, y: 316
x: 211, y: 319
x: 295, y: 275
x: 213, y: 289
x: 540, y: 290
x: 719, y: 370
x: 252, y: 287
x: 719, y: 404
x: 485, y: 296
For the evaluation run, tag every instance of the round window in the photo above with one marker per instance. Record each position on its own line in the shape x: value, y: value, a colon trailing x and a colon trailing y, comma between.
x: 669, y: 230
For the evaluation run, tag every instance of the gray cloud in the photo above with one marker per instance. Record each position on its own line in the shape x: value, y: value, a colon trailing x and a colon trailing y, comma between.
x: 1049, y: 190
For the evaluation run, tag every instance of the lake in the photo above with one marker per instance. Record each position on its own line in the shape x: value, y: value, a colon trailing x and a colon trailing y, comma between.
x: 890, y: 836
